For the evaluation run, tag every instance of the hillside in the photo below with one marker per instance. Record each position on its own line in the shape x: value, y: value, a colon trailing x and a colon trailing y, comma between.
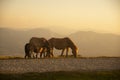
x: 97, y: 44
x: 89, y: 43
x: 12, y: 41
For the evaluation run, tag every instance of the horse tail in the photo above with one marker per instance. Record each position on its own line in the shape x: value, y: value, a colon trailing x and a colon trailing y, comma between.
x: 27, y: 47
x: 27, y: 50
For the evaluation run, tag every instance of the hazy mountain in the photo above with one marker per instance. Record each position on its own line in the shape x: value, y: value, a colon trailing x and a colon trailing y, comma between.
x: 12, y: 41
x: 96, y: 44
x: 89, y: 43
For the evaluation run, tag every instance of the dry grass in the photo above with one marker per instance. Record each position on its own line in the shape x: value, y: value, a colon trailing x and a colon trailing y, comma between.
x: 57, y: 57
x: 62, y: 75
x: 10, y: 57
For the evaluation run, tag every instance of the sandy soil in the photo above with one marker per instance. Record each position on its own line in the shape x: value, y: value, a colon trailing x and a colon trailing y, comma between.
x: 61, y: 64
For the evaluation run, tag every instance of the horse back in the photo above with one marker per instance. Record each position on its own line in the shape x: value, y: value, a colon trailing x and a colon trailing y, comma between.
x: 38, y: 42
x: 58, y: 43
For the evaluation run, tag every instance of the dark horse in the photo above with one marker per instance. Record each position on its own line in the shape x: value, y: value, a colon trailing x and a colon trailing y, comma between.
x: 39, y: 45
x: 62, y: 44
x: 42, y: 51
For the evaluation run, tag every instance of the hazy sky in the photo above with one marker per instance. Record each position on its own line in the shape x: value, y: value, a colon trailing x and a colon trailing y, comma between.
x: 73, y: 15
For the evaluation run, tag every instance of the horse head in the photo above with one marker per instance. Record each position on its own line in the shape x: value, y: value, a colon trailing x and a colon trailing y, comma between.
x: 48, y: 49
x: 75, y: 51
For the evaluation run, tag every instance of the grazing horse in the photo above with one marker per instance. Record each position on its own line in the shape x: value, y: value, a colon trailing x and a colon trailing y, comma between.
x: 39, y: 45
x: 42, y: 51
x: 27, y: 51
x: 62, y: 44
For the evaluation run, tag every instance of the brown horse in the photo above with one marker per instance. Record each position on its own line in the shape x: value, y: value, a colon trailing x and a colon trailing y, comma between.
x: 28, y: 54
x: 62, y: 44
x: 39, y: 45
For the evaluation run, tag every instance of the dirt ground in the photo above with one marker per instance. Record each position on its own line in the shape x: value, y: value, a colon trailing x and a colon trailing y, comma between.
x: 60, y: 64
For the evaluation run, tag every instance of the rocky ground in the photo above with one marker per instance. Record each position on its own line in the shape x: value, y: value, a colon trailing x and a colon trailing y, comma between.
x: 60, y: 64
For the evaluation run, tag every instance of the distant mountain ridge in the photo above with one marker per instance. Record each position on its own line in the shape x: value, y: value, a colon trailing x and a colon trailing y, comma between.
x: 97, y: 44
x: 89, y: 43
x: 13, y: 41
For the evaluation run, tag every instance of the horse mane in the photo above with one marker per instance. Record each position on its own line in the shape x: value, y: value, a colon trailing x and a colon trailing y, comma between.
x: 70, y: 42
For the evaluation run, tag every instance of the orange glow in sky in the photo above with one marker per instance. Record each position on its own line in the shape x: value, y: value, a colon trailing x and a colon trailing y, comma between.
x: 96, y: 15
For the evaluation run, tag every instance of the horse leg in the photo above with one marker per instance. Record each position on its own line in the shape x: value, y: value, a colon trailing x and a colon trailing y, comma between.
x: 28, y: 55
x: 62, y: 52
x: 41, y: 52
x: 40, y: 55
x: 51, y: 52
x: 33, y: 55
x: 44, y: 54
x: 36, y: 55
x: 44, y: 51
x: 25, y: 56
x: 67, y: 49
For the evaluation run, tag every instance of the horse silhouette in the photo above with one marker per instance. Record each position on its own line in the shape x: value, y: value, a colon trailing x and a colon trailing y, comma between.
x: 62, y: 44
x: 39, y: 45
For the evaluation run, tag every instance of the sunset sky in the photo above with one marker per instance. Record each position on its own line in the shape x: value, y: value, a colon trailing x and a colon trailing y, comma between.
x: 73, y: 15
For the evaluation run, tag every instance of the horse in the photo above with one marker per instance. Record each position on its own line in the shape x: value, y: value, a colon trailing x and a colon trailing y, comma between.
x: 27, y: 51
x: 42, y: 51
x: 39, y: 45
x: 62, y: 44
